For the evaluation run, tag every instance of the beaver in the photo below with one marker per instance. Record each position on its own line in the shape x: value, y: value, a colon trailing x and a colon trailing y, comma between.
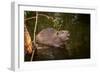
x: 52, y: 37
x: 50, y: 44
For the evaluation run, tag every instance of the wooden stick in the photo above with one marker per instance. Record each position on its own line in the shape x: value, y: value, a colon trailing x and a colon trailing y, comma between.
x: 34, y: 38
x: 34, y: 17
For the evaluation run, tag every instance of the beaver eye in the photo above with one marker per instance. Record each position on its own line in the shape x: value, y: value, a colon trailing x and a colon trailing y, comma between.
x: 57, y: 33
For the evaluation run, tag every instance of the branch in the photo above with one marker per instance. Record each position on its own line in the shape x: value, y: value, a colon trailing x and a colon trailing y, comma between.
x: 48, y: 17
x: 29, y: 18
x: 34, y: 38
x: 35, y: 27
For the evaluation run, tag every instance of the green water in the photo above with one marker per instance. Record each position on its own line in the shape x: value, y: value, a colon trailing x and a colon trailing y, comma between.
x: 78, y: 25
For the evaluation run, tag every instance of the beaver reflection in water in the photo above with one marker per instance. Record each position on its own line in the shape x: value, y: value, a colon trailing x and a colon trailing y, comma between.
x: 51, y: 44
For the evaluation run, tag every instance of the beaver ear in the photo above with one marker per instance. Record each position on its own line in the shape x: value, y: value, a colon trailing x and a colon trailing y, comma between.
x: 57, y: 32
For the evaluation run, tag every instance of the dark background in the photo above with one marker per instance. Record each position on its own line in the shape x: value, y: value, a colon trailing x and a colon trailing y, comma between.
x: 78, y: 25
